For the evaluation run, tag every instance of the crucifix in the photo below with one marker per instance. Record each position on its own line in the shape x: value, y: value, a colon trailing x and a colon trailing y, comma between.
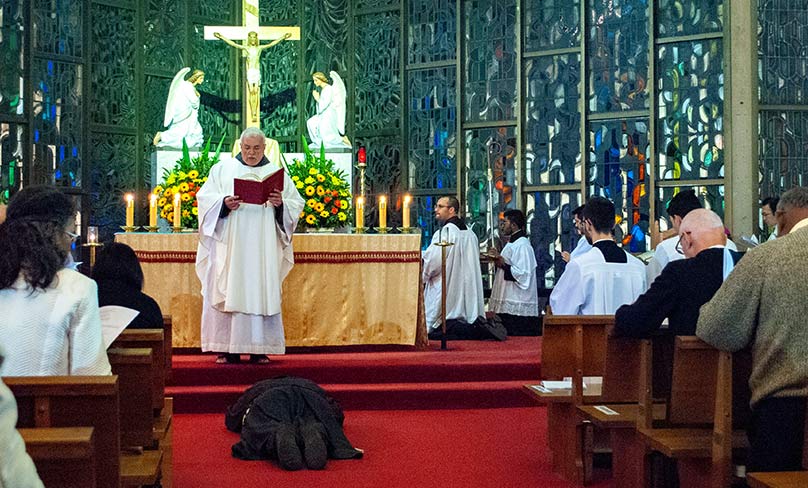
x: 251, y: 33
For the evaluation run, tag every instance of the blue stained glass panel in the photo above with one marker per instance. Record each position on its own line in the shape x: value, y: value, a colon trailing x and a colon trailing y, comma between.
x: 432, y: 29
x: 688, y: 17
x: 549, y: 223
x: 551, y: 24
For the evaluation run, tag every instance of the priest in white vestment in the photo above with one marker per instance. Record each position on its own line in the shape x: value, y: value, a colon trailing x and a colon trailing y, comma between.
x: 464, y: 283
x: 514, y: 297
x: 244, y: 254
x: 603, y: 278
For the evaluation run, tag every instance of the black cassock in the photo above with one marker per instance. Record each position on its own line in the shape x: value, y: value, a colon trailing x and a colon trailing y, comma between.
x: 287, y: 401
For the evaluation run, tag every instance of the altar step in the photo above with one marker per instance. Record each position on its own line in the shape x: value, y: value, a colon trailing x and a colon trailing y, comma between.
x: 471, y: 374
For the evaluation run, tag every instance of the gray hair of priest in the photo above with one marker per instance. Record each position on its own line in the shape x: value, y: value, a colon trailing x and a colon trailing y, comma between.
x: 796, y: 197
x: 251, y: 132
x: 700, y: 220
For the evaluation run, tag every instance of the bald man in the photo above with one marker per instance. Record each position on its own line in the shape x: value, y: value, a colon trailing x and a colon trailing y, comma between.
x: 684, y: 285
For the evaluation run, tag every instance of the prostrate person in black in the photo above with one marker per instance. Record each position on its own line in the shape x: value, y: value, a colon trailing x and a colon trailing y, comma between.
x: 684, y: 285
x: 292, y: 420
x: 119, y: 277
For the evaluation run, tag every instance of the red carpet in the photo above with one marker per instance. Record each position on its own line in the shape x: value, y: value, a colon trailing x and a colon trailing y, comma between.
x: 504, y: 447
x: 471, y: 374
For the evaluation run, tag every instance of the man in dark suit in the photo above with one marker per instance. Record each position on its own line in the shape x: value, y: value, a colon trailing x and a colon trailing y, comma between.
x: 684, y: 285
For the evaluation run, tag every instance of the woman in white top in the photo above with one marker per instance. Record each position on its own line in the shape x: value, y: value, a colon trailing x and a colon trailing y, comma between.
x: 49, y: 323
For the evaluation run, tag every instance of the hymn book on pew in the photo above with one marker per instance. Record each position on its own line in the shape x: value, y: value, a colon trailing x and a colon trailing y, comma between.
x: 252, y: 189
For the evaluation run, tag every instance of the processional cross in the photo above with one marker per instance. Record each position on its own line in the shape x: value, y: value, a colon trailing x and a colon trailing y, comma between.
x: 251, y: 32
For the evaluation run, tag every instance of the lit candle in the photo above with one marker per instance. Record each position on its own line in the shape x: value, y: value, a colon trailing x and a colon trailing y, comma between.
x: 405, y: 212
x: 130, y: 210
x: 360, y: 212
x: 383, y: 212
x: 177, y: 210
x: 153, y: 210
x: 92, y: 234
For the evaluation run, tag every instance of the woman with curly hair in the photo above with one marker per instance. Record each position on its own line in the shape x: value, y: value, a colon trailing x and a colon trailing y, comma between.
x: 50, y: 323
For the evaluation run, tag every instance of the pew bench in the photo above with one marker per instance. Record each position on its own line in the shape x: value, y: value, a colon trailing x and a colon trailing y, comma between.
x: 64, y: 456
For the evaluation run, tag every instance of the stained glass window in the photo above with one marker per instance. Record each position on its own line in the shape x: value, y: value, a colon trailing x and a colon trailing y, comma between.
x: 689, y: 131
x: 378, y: 89
x: 552, y: 24
x: 12, y: 153
x: 12, y: 37
x: 495, y: 150
x: 213, y: 57
x: 113, y: 68
x: 783, y: 150
x: 618, y: 159
x: 432, y: 30
x: 164, y: 35
x: 618, y: 55
x: 490, y: 64
x: 382, y: 176
x: 552, y: 139
x: 549, y: 223
x: 112, y: 173
x: 783, y: 64
x: 58, y: 27
x: 278, y: 82
x: 432, y: 129
x: 686, y: 17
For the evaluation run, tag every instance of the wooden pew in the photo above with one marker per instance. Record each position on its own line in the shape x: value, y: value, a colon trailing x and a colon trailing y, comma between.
x: 134, y: 368
x: 784, y: 479
x: 75, y: 401
x: 698, y: 430
x: 154, y: 339
x: 572, y: 346
x: 64, y: 456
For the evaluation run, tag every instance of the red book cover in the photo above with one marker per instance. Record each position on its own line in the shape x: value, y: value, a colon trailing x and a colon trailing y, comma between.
x: 252, y: 190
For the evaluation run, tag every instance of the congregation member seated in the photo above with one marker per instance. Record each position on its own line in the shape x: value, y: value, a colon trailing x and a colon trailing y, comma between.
x: 119, y: 277
x: 514, y: 297
x: 768, y: 211
x: 464, y: 283
x: 582, y: 245
x: 684, y: 285
x: 762, y: 304
x: 50, y: 323
x: 16, y: 467
x: 603, y: 278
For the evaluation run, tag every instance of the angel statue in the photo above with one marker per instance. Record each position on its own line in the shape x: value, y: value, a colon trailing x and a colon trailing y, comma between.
x: 327, y: 126
x: 182, y: 112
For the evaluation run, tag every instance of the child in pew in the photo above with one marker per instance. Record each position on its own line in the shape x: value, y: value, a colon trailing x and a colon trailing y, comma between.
x: 50, y: 323
x: 119, y: 277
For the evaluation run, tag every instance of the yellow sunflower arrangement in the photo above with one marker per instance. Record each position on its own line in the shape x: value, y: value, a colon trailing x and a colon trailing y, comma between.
x: 186, y: 178
x: 325, y: 190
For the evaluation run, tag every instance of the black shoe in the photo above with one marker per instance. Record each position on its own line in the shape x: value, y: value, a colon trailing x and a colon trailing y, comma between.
x: 314, y: 449
x: 287, y: 450
x: 493, y: 328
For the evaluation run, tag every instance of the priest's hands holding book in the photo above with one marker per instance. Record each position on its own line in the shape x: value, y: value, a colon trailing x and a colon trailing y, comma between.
x: 232, y: 202
x: 275, y: 198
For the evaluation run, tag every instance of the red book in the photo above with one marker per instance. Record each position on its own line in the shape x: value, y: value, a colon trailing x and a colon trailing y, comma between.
x: 251, y: 189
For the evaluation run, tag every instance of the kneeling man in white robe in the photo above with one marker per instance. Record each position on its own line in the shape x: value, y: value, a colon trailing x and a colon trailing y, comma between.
x: 601, y: 280
x: 464, y: 283
x: 514, y: 297
x: 244, y: 254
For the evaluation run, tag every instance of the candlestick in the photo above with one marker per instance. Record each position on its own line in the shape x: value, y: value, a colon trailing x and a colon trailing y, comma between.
x: 130, y: 210
x: 177, y: 210
x: 92, y: 234
x: 383, y: 212
x: 360, y: 212
x: 405, y: 212
x: 153, y: 210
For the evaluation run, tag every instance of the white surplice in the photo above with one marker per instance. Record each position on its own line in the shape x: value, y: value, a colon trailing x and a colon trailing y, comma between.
x: 464, y: 283
x: 591, y: 286
x: 581, y: 247
x: 242, y: 261
x: 518, y: 297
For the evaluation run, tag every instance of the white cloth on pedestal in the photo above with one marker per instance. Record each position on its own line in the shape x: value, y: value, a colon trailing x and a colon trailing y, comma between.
x: 518, y: 297
x: 591, y: 286
x: 242, y: 261
x: 464, y: 283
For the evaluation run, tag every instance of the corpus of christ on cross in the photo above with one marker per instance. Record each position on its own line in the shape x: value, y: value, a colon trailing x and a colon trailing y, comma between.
x: 251, y: 33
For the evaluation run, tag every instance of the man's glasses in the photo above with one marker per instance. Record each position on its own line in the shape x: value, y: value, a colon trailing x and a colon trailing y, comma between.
x: 73, y: 236
x: 441, y: 206
x: 679, y: 244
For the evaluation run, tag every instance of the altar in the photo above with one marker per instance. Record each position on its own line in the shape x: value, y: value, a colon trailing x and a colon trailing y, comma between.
x: 344, y: 289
